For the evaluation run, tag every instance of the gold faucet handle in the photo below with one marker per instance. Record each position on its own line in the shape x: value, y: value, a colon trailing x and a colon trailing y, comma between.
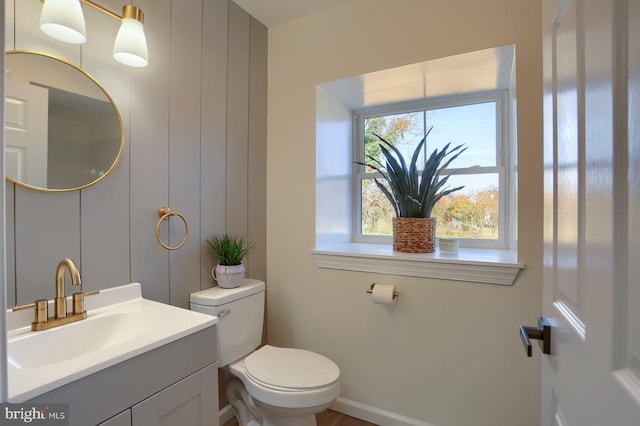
x: 42, y: 311
x: 78, y: 303
x: 78, y: 300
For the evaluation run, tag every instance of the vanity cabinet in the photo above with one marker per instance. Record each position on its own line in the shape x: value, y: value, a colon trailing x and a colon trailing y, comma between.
x: 175, y: 384
x: 190, y: 402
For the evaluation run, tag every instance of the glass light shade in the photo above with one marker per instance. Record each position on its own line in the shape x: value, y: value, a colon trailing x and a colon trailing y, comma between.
x: 130, y: 47
x: 64, y: 21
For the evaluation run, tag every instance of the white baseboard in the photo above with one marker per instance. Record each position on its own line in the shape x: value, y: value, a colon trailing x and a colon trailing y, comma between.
x: 226, y: 414
x: 373, y: 415
x: 353, y: 409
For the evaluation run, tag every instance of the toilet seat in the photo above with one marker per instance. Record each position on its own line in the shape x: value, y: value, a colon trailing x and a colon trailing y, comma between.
x: 289, y: 369
x: 291, y: 383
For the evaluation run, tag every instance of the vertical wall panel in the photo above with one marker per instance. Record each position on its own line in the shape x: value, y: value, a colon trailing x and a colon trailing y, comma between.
x: 257, y: 167
x: 213, y: 129
x: 10, y: 262
x: 8, y: 24
x: 3, y: 294
x: 184, y: 147
x: 237, y: 119
x: 9, y: 187
x: 149, y: 154
x: 47, y: 229
x: 105, y: 206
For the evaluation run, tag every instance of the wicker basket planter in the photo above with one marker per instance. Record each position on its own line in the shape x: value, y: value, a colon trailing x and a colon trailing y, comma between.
x: 414, y: 234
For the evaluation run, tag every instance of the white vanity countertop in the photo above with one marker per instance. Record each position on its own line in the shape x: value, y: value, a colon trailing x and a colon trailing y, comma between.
x: 120, y: 325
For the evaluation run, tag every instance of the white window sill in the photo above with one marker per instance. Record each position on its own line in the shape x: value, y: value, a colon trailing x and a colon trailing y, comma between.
x: 488, y: 266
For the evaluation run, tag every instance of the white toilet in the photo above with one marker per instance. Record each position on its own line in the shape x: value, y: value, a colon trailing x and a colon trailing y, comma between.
x: 270, y: 386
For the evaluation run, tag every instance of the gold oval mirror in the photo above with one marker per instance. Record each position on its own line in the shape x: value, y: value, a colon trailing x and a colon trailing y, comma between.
x: 63, y: 130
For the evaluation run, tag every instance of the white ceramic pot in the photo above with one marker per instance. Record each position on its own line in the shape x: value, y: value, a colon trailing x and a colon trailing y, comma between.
x: 228, y: 276
x: 449, y: 245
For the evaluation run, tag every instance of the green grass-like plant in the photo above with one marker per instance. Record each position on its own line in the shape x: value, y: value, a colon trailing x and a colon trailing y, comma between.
x: 230, y: 249
x: 413, y: 193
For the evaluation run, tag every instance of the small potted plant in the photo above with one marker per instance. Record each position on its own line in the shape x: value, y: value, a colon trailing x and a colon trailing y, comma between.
x: 230, y: 250
x: 413, y: 193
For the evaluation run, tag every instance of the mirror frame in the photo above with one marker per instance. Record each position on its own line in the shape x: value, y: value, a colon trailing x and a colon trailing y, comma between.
x: 109, y: 98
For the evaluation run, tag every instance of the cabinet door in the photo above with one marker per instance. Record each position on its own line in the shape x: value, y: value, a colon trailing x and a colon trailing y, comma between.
x: 122, y: 419
x: 192, y: 401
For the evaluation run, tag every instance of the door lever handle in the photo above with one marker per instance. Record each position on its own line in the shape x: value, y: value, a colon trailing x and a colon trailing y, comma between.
x: 542, y: 333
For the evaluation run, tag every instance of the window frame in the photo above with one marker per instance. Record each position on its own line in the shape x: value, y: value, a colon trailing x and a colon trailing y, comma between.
x: 502, y: 165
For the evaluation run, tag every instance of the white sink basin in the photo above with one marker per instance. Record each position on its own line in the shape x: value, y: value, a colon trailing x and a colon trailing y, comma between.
x: 64, y: 343
x: 120, y: 324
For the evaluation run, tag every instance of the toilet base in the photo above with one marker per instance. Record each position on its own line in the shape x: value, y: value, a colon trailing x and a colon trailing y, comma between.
x: 276, y: 416
x: 251, y: 412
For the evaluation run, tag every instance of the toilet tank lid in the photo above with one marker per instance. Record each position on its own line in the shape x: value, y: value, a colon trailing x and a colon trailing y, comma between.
x: 216, y: 296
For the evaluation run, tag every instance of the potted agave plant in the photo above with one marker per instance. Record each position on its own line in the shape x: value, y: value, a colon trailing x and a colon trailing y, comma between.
x: 230, y: 250
x: 413, y: 193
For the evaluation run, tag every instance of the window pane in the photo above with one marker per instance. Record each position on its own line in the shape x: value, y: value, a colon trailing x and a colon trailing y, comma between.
x: 404, y: 131
x: 376, y: 210
x: 471, y: 125
x: 471, y: 212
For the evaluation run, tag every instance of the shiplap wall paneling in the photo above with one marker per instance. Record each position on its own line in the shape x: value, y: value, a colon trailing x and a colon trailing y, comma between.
x: 47, y: 229
x: 237, y: 120
x: 149, y: 154
x: 8, y: 24
x: 257, y: 153
x: 9, y: 191
x: 3, y: 294
x: 105, y: 206
x: 213, y: 129
x: 10, y: 260
x: 184, y: 148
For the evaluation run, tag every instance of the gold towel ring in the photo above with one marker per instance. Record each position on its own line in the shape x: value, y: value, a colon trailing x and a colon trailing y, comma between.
x: 165, y: 213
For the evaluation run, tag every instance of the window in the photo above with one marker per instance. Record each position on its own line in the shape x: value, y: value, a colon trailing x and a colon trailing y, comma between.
x: 482, y: 87
x: 477, y: 214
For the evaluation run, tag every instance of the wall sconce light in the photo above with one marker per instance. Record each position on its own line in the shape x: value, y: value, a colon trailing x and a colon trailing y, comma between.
x: 64, y: 21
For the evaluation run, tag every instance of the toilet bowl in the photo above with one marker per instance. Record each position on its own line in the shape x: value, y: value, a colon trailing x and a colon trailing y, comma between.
x: 270, y: 386
x: 286, y: 386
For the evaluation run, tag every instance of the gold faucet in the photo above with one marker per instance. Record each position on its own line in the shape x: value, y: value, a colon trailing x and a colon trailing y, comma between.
x: 42, y: 320
x: 60, y: 300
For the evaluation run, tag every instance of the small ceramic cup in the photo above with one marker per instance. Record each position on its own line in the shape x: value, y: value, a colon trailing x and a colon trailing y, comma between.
x: 449, y: 245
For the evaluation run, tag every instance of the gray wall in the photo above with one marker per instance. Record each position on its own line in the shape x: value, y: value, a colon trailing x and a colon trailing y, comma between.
x: 195, y: 141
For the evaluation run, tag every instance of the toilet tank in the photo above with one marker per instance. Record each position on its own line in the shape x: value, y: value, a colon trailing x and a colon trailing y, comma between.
x: 240, y: 313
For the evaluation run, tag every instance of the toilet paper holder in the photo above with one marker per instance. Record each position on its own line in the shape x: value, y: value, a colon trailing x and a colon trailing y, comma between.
x: 370, y: 290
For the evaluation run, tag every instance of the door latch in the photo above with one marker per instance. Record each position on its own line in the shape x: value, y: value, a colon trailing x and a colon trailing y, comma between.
x: 542, y: 333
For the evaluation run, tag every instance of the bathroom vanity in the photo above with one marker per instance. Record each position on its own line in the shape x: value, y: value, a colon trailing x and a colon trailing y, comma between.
x: 131, y: 362
x: 176, y: 380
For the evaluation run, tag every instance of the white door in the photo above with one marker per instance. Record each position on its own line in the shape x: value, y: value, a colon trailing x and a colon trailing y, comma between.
x: 592, y: 212
x: 26, y: 126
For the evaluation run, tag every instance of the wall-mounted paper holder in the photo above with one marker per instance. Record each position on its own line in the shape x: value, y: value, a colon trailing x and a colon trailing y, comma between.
x: 370, y: 290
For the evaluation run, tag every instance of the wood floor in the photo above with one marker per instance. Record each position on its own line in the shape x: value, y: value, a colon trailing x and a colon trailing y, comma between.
x: 327, y: 418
